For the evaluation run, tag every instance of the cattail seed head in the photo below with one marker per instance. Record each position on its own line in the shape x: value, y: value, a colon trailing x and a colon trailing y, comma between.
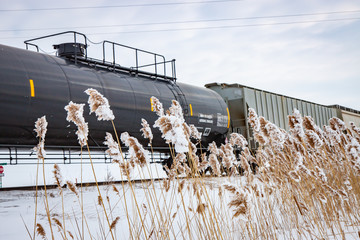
x: 72, y: 187
x: 75, y: 114
x: 136, y: 150
x: 41, y: 127
x: 40, y: 231
x: 238, y: 139
x: 113, y: 148
x: 99, y: 105
x: 57, y: 175
x: 113, y: 224
x: 253, y: 120
x: 146, y: 130
x: 157, y: 106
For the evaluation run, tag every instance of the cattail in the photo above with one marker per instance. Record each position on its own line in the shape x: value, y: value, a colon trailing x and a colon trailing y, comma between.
x: 71, y: 186
x: 41, y: 127
x: 276, y: 135
x: 70, y: 234
x: 194, y: 132
x: 99, y: 105
x: 263, y: 129
x: 172, y: 128
x: 113, y: 148
x: 253, y: 120
x: 75, y: 114
x: 353, y: 151
x: 295, y: 124
x: 157, y: 106
x: 204, y: 163
x: 313, y: 139
x: 166, y: 184
x: 113, y: 224
x: 241, y: 200
x: 57, y: 175
x: 238, y: 139
x: 260, y: 138
x: 126, y: 169
x: 115, y: 189
x: 337, y: 125
x: 57, y: 222
x: 308, y: 123
x: 245, y: 165
x: 146, y: 130
x: 355, y: 129
x: 40, y: 231
x: 181, y: 186
x: 332, y: 136
x: 136, y: 150
x: 201, y: 208
x: 213, y: 149
x: 214, y: 164
x: 230, y: 187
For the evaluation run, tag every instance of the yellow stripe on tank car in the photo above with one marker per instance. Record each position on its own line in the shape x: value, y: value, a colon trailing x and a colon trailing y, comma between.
x: 32, y: 88
x: 152, y: 104
x: 191, y: 112
x: 227, y: 109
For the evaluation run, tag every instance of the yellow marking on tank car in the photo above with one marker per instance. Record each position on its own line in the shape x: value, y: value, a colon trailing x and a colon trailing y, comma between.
x: 152, y: 104
x: 32, y: 88
x: 191, y: 112
x: 228, y: 113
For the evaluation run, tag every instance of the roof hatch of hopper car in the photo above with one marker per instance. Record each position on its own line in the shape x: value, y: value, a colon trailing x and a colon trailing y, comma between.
x: 117, y: 58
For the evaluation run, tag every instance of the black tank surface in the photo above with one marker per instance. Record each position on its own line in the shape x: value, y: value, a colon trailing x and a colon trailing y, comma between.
x: 35, y: 84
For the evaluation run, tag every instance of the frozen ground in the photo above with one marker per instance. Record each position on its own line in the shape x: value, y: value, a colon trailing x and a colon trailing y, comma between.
x: 17, y: 212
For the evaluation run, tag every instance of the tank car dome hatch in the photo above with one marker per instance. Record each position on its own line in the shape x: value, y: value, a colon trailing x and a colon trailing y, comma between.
x: 70, y: 49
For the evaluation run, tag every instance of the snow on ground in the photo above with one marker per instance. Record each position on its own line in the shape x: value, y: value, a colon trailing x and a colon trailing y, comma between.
x: 17, y: 211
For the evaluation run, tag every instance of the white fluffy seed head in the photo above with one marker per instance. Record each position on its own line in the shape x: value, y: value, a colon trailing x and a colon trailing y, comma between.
x: 99, y: 105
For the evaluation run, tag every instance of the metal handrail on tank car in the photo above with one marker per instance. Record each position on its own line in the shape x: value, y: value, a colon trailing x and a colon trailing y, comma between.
x: 137, y: 50
x: 27, y: 42
x: 115, y: 65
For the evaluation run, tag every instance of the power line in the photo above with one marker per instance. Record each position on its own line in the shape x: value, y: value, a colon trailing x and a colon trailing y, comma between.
x: 190, y: 21
x: 217, y: 27
x: 232, y: 26
x: 118, y: 6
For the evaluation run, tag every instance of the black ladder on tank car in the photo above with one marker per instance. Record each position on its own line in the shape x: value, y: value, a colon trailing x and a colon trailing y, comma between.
x: 77, y: 52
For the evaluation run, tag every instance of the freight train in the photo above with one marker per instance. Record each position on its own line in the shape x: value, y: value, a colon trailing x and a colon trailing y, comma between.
x: 34, y: 84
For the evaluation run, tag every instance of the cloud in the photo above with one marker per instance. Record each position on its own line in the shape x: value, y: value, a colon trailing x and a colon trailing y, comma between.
x: 312, y: 61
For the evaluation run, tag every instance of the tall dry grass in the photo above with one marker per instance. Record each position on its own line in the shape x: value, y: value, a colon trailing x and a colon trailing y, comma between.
x: 305, y: 185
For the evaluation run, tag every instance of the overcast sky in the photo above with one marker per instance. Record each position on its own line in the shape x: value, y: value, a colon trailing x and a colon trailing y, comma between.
x: 305, y: 49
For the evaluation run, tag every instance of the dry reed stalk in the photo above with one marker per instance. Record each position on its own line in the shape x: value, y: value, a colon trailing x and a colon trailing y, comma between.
x: 125, y: 167
x: 100, y: 106
x: 41, y: 129
x: 59, y: 183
